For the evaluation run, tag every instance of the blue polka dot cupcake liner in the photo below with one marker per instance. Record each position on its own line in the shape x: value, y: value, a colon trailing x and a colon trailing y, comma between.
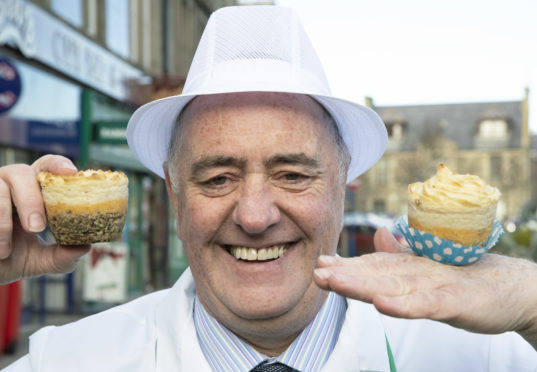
x: 443, y: 250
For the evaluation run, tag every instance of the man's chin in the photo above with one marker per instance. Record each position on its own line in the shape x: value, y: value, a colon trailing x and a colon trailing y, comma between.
x: 262, y: 314
x: 257, y: 308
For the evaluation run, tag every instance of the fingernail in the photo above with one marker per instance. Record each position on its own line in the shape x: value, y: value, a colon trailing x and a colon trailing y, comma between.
x: 36, y: 222
x: 322, y: 274
x: 327, y: 260
x: 68, y: 165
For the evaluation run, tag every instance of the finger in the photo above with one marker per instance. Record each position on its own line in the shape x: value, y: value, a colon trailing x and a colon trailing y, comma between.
x: 325, y: 261
x: 65, y: 258
x: 430, y: 304
x: 384, y: 241
x: 6, y: 220
x: 376, y: 264
x: 26, y: 195
x: 54, y: 258
x: 56, y: 164
x: 366, y: 288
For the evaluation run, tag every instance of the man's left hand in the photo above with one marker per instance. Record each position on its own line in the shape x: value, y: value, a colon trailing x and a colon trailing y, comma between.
x: 494, y: 295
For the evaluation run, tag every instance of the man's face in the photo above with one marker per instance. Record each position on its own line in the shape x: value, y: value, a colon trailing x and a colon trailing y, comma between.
x: 257, y: 174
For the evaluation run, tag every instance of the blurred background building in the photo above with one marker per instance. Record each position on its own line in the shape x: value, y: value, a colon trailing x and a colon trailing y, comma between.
x: 489, y: 139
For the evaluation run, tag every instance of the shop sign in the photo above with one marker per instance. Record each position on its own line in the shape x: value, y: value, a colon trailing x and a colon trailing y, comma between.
x: 41, y: 36
x: 112, y: 132
x: 10, y: 85
x: 105, y: 274
x: 53, y: 132
x: 58, y: 137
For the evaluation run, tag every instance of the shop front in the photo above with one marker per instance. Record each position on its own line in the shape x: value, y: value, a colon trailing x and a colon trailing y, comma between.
x: 62, y: 93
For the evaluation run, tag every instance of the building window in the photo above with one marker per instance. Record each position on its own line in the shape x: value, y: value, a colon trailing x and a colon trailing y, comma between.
x: 395, y: 131
x: 381, y: 172
x: 117, y: 26
x: 495, y: 168
x: 70, y: 10
x: 493, y: 129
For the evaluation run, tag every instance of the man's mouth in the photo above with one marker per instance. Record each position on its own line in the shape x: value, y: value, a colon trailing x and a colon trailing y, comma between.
x: 258, y: 254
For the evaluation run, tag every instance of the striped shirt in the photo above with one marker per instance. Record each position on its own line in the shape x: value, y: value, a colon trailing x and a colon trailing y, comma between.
x: 309, y: 351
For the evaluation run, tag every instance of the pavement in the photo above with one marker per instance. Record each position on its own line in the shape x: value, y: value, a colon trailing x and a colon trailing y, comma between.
x: 31, y: 327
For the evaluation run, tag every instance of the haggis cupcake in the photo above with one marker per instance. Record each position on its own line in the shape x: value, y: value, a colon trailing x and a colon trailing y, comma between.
x: 87, y: 207
x: 451, y: 217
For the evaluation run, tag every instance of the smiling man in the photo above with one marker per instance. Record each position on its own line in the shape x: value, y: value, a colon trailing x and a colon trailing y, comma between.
x: 256, y: 153
x: 258, y: 189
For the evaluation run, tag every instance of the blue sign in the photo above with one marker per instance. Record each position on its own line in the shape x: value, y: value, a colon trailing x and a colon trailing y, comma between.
x: 10, y: 85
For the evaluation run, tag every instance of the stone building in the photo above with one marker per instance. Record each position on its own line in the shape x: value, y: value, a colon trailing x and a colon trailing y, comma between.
x: 489, y: 139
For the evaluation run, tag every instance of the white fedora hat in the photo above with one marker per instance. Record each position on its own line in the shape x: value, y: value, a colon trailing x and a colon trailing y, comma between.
x: 256, y: 48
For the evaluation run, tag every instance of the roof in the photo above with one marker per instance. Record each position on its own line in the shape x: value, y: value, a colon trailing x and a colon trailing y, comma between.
x: 456, y: 121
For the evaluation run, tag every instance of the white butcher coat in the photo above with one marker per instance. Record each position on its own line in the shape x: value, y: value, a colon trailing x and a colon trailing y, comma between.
x: 156, y: 333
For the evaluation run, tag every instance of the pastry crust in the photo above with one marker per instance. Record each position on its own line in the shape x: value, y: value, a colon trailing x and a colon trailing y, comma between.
x: 87, y: 207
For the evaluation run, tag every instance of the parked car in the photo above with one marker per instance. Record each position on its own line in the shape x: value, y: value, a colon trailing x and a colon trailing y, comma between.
x: 360, y: 228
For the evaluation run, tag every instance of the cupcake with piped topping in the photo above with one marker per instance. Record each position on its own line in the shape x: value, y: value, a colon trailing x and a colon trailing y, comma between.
x: 457, y: 207
x: 451, y: 217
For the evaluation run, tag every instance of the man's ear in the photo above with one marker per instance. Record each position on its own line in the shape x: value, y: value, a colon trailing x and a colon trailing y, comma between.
x: 174, y: 198
x: 169, y: 188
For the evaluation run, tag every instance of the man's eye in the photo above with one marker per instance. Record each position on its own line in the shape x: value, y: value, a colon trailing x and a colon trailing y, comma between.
x: 220, y: 180
x: 217, y: 181
x: 292, y: 176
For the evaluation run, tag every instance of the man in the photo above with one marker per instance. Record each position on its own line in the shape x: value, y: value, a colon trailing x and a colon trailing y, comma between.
x: 256, y: 154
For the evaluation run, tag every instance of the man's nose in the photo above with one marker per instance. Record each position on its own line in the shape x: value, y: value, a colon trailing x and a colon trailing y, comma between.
x: 256, y: 209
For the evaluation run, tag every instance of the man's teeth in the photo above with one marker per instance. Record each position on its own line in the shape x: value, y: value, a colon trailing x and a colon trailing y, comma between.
x: 263, y: 254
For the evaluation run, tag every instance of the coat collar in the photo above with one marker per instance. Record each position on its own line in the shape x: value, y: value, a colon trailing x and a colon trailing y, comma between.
x: 362, y: 344
x: 177, y: 347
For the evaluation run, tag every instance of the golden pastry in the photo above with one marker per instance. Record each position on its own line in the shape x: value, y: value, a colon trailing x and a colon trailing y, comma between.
x: 87, y: 207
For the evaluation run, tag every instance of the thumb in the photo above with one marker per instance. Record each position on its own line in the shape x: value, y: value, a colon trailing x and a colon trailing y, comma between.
x: 384, y: 241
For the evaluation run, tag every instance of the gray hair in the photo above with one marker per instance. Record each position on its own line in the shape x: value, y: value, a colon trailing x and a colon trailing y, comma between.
x: 177, y: 140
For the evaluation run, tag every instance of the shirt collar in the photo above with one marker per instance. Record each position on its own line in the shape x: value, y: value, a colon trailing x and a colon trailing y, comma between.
x: 309, y: 351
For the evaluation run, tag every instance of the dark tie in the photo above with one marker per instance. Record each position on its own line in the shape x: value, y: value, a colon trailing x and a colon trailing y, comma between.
x: 272, y: 367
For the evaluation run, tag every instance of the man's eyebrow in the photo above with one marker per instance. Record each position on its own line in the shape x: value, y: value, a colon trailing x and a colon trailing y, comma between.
x: 293, y: 159
x: 213, y: 162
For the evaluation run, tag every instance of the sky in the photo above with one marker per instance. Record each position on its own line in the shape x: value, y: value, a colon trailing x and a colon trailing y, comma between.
x: 423, y: 52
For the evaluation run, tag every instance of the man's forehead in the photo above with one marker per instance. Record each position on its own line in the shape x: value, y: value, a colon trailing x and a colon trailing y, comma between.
x: 217, y: 103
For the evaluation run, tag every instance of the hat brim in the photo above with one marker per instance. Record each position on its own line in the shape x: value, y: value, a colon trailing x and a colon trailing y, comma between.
x: 150, y: 127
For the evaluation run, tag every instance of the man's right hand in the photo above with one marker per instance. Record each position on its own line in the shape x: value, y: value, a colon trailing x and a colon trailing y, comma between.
x: 22, y: 216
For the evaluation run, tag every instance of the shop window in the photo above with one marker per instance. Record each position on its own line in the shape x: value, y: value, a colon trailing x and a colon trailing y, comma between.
x: 117, y: 26
x: 46, y: 117
x: 493, y: 129
x: 70, y: 10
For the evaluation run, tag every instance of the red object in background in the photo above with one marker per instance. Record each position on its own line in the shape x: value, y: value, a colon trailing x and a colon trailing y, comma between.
x: 10, y: 316
x: 363, y: 239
